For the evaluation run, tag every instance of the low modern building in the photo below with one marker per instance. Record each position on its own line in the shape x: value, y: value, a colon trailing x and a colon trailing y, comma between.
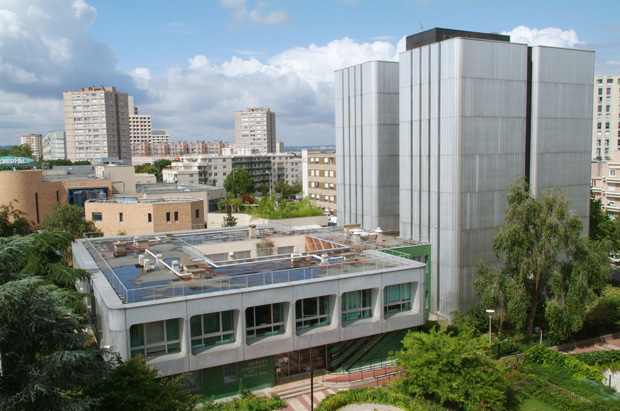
x: 251, y: 303
x: 34, y: 192
x: 132, y: 216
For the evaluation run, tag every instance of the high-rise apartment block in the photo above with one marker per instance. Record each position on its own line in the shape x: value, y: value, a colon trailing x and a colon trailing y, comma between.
x: 606, y: 143
x: 97, y: 124
x: 34, y: 141
x: 255, y: 129
x: 473, y: 112
x: 53, y: 145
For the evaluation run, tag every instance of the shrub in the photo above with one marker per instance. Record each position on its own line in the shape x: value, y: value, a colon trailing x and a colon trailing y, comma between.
x: 377, y: 396
x: 541, y: 355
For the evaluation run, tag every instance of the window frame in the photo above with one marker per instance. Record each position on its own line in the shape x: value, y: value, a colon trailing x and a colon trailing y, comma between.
x: 267, y: 328
x: 226, y: 336
x: 170, y: 346
x: 404, y: 302
x: 348, y: 312
x: 319, y: 319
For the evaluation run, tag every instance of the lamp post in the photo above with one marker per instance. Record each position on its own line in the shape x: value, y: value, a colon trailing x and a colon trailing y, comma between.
x: 490, y: 313
x: 310, y: 369
x: 539, y: 330
x: 269, y: 183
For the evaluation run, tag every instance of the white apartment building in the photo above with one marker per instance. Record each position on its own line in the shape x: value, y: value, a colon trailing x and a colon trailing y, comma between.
x: 53, y: 145
x: 475, y: 111
x: 97, y: 124
x: 35, y: 142
x: 606, y: 143
x: 213, y: 169
x: 319, y: 179
x: 255, y: 129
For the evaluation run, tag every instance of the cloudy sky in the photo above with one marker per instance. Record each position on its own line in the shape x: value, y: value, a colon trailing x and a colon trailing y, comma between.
x: 191, y: 63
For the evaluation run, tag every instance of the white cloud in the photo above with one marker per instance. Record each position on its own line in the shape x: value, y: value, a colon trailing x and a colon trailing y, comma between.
x: 240, y: 14
x: 47, y: 50
x: 549, y: 36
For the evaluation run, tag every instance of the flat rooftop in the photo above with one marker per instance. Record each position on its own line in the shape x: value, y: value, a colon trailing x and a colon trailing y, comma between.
x: 166, y: 265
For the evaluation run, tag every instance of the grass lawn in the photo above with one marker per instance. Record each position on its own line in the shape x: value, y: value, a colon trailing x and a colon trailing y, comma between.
x: 532, y: 404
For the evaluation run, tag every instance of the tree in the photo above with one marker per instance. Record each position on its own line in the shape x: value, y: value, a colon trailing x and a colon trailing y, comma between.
x: 229, y: 220
x: 14, y: 221
x: 263, y: 188
x: 45, y: 364
x: 150, y: 169
x: 44, y: 255
x: 69, y: 218
x: 546, y: 264
x: 452, y: 370
x: 162, y: 163
x: 134, y: 385
x: 239, y: 182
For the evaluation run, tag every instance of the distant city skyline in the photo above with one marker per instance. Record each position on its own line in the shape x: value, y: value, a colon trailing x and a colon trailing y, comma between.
x: 193, y: 65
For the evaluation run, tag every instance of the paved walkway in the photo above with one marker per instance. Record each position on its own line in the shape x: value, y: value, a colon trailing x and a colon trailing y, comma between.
x: 297, y: 393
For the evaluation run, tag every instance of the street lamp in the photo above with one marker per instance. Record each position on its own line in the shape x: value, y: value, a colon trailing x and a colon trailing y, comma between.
x: 310, y: 369
x: 490, y: 313
x: 269, y: 183
x: 539, y: 330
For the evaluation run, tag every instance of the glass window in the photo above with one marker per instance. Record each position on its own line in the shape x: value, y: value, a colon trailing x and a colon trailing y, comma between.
x: 120, y: 217
x: 211, y: 329
x: 96, y: 216
x: 356, y: 305
x: 264, y: 320
x: 197, y: 213
x: 155, y: 338
x: 176, y: 216
x: 230, y: 372
x: 150, y: 218
x: 312, y: 312
x: 397, y: 298
x: 168, y: 216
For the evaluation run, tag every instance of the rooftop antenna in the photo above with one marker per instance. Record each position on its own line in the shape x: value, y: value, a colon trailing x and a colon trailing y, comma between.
x: 421, y: 27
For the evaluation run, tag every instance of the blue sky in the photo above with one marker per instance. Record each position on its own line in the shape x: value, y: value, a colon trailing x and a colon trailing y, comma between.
x: 191, y: 63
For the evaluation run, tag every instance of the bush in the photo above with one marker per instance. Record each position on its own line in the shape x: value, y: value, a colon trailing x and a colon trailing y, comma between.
x: 598, y: 357
x: 377, y: 396
x: 578, y: 370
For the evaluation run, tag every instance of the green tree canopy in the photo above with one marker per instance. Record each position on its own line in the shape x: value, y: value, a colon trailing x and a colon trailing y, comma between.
x: 134, y: 385
x: 452, y: 370
x: 45, y: 364
x: 546, y: 264
x: 239, y: 182
x: 69, y: 218
x: 286, y: 190
x: 23, y: 150
x: 14, y: 221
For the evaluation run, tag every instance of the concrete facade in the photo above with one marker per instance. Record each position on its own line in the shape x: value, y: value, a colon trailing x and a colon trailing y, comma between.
x: 606, y: 143
x: 367, y: 145
x: 117, y: 313
x: 97, y: 124
x: 474, y: 114
x: 35, y: 142
x: 255, y: 129
x: 319, y: 179
x: 53, y: 145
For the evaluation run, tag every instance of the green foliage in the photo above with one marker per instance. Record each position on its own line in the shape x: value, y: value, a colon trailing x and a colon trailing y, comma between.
x: 238, y: 182
x: 44, y: 362
x: 43, y: 255
x: 547, y: 265
x: 23, y: 150
x: 14, y: 221
x: 541, y: 355
x: 269, y: 209
x: 134, y: 385
x: 59, y: 162
x: 263, y: 188
x: 247, y: 402
x: 452, y: 370
x: 375, y: 396
x: 603, y: 314
x: 162, y: 163
x: 69, y: 218
x: 288, y: 191
x: 598, y: 358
